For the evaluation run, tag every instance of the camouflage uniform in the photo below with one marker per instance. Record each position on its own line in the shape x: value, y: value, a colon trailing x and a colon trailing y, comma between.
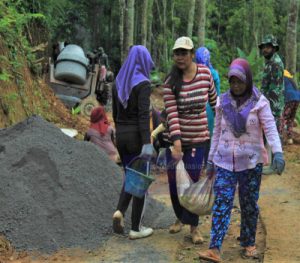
x: 272, y: 83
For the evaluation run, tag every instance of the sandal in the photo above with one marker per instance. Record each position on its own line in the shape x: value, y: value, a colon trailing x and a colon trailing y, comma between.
x: 196, y: 237
x: 250, y: 253
x: 211, y: 256
x: 176, y: 227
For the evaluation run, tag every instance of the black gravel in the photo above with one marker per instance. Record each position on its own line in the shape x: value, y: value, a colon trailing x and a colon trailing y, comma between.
x: 57, y: 192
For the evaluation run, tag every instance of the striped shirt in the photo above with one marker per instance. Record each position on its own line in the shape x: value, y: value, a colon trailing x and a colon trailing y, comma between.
x: 187, y: 120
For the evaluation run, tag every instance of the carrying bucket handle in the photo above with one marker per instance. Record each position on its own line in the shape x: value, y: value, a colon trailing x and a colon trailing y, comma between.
x: 138, y: 158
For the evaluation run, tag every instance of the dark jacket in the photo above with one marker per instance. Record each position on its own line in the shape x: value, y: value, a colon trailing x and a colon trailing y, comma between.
x: 136, y: 117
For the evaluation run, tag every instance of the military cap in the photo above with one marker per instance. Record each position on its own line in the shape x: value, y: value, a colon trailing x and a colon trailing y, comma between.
x: 269, y: 39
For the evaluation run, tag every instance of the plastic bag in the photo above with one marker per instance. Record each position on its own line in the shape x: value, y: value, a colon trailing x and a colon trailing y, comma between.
x: 197, y: 197
x: 161, y: 160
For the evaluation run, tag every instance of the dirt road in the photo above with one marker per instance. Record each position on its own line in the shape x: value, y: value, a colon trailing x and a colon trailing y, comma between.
x: 280, y: 211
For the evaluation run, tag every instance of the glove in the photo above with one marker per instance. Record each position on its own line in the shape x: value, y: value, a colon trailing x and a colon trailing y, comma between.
x: 147, y: 151
x: 210, y: 169
x: 278, y: 163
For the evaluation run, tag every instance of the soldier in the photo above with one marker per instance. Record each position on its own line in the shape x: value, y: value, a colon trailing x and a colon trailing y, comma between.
x: 272, y: 82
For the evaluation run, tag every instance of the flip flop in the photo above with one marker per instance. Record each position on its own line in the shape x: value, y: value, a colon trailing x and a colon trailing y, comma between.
x: 210, y: 256
x: 250, y: 253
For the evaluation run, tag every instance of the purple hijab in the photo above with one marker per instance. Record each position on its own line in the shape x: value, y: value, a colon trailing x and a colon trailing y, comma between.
x: 135, y: 69
x: 236, y: 109
x: 203, y: 56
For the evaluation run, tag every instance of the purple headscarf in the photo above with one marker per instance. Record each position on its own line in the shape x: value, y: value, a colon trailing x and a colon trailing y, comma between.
x: 136, y: 69
x: 203, y: 56
x: 236, y: 109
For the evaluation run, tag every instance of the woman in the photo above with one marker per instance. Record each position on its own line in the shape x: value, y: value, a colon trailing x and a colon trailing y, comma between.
x: 243, y: 114
x: 186, y: 91
x: 203, y: 57
x: 131, y: 104
x: 102, y: 133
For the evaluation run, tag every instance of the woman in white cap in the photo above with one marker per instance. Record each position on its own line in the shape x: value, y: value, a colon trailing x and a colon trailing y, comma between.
x: 187, y: 89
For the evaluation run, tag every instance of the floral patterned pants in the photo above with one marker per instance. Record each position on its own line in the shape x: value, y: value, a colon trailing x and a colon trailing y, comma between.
x: 248, y: 186
x: 289, y: 115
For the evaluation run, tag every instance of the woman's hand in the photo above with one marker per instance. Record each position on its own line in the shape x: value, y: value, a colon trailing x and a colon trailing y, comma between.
x: 210, y: 169
x: 176, y: 151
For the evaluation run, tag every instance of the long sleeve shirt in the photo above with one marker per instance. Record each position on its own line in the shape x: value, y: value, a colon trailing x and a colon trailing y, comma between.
x: 186, y: 115
x: 104, y: 142
x: 245, y: 152
x: 273, y: 85
x: 136, y: 117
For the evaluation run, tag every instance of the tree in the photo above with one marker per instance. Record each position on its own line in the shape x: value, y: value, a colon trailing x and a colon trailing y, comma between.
x: 128, y: 26
x: 121, y: 28
x: 291, y: 37
x: 191, y: 19
x: 143, y: 22
x: 201, y: 19
x: 149, y: 23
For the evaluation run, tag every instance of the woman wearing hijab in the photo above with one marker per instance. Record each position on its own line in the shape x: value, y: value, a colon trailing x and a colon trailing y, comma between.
x: 187, y: 90
x: 131, y: 114
x: 237, y: 155
x: 102, y: 133
x: 203, y: 57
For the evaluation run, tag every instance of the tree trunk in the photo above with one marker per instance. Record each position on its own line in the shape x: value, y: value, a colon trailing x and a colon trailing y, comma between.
x: 291, y: 38
x: 219, y: 20
x: 191, y: 19
x: 201, y: 7
x: 121, y: 29
x: 128, y: 26
x: 149, y: 25
x: 171, y: 5
x: 144, y: 11
x: 165, y: 46
x: 94, y: 15
x: 255, y: 29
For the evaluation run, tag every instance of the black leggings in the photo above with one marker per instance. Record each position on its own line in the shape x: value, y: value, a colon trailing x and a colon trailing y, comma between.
x: 129, y: 146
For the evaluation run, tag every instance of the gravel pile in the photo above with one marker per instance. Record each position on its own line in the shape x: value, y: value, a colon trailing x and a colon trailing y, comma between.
x: 58, y: 192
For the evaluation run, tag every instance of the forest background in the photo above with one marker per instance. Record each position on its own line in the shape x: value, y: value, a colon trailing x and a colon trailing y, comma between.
x: 229, y: 28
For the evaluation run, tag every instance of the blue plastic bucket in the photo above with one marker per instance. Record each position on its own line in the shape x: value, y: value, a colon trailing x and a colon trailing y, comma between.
x: 137, y: 183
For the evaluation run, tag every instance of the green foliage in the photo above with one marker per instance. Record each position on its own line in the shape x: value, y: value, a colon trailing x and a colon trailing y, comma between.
x: 13, y: 22
x: 76, y: 111
x: 231, y: 27
x: 256, y: 64
x: 11, y: 97
x: 4, y: 75
x: 220, y: 60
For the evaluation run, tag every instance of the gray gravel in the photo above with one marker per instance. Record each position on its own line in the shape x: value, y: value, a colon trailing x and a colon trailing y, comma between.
x: 57, y: 192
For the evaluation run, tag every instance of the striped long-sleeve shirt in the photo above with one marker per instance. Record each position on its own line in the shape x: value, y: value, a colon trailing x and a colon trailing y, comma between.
x: 187, y: 118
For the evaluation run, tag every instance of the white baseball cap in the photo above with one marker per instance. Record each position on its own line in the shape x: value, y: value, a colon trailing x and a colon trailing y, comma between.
x: 183, y: 42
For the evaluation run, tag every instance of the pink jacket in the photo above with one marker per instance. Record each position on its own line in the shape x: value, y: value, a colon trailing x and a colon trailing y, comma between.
x: 245, y: 152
